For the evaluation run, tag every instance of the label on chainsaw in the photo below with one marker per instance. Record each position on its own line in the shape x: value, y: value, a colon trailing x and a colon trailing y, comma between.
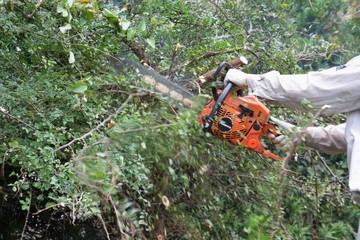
x: 225, y: 124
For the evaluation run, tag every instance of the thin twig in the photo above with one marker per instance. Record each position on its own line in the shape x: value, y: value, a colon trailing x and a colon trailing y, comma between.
x: 198, y: 87
x: 78, y: 202
x: 123, y: 234
x: 112, y: 184
x: 104, y: 225
x: 294, y: 144
x: 316, y: 199
x: 62, y: 204
x: 26, y: 219
x: 17, y: 119
x: 171, y: 68
x: 108, y: 119
x: 36, y: 7
x: 286, y: 161
x: 321, y: 110
x: 283, y: 175
x: 2, y: 172
x: 330, y: 171
x: 220, y: 9
x: 145, y: 129
x: 209, y: 54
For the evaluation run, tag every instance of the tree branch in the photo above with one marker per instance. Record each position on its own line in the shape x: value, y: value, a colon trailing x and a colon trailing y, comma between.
x: 286, y: 161
x: 208, y: 76
x: 108, y: 119
x: 137, y: 49
x: 104, y: 226
x: 3, y: 111
x: 117, y: 214
x: 330, y: 171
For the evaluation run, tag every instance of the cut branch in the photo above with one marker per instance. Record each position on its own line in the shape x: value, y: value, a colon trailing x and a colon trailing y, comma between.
x: 207, y: 77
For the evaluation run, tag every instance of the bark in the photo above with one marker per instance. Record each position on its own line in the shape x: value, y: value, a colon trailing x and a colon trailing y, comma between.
x: 207, y: 77
x: 137, y: 49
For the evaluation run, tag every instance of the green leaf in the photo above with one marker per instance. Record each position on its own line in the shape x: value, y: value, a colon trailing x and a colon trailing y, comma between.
x: 14, y: 144
x: 101, y: 154
x: 171, y: 171
x: 70, y: 2
x: 79, y: 87
x: 142, y: 28
x: 24, y: 206
x: 40, y: 197
x: 115, y: 21
x: 151, y: 42
x: 131, y: 32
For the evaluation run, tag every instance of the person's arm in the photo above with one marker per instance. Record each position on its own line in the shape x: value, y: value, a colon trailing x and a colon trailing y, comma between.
x: 330, y: 139
x: 338, y: 87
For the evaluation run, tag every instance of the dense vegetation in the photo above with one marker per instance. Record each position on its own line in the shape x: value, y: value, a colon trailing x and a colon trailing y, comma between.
x: 87, y: 153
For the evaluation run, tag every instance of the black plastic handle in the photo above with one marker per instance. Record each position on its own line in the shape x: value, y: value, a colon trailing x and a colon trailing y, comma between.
x: 210, y: 119
x: 216, y: 74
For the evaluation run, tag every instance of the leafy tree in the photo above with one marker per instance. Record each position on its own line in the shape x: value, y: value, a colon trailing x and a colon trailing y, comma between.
x: 89, y: 153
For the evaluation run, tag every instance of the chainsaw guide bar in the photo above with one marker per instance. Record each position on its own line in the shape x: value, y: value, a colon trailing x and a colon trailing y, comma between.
x: 161, y: 84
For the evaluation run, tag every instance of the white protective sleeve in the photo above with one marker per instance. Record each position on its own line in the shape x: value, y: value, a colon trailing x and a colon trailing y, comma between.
x: 353, y: 153
x: 329, y: 139
x: 338, y: 87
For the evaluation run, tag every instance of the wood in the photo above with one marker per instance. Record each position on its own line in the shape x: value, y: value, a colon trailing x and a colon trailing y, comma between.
x: 207, y: 77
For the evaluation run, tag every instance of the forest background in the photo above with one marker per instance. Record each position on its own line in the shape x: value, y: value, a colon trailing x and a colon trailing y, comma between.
x: 87, y: 153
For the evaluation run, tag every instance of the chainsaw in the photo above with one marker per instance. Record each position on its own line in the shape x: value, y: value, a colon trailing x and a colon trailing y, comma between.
x: 240, y: 120
x: 237, y: 119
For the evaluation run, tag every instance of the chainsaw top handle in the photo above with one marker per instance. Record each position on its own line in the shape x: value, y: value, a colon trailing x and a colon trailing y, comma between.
x: 215, y: 76
x: 218, y: 98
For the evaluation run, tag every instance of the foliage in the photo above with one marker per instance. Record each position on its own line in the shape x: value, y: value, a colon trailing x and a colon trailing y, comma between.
x: 88, y: 147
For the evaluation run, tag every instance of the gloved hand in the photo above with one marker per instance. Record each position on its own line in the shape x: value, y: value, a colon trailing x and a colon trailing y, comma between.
x: 292, y: 134
x: 237, y: 77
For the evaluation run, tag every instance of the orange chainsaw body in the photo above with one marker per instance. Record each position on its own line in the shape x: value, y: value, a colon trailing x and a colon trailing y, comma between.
x: 239, y: 120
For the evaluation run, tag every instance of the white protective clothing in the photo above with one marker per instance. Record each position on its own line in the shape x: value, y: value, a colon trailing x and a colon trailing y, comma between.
x: 352, y: 134
x: 338, y: 87
x: 329, y: 139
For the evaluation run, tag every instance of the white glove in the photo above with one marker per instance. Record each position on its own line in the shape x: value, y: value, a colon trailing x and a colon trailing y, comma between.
x: 237, y: 77
x: 292, y: 134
